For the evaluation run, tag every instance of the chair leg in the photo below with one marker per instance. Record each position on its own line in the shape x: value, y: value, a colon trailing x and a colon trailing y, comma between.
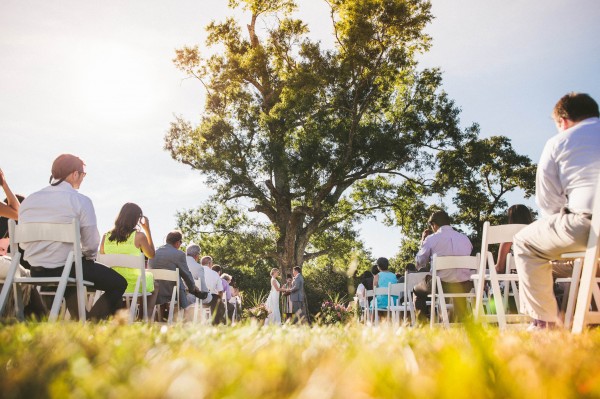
x: 573, y: 288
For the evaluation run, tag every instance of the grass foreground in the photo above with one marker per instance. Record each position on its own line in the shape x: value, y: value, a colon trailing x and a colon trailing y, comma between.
x: 111, y: 360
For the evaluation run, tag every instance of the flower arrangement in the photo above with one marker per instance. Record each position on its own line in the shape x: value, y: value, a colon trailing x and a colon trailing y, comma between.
x: 258, y: 312
x: 334, y: 313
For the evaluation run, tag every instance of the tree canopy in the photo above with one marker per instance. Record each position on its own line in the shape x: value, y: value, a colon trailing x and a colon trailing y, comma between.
x: 315, y: 138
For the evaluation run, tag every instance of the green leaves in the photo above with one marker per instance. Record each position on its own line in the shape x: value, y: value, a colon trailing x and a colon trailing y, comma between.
x: 317, y: 139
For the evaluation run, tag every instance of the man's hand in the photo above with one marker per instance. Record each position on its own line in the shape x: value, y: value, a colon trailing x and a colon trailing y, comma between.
x: 199, y: 294
x: 426, y: 233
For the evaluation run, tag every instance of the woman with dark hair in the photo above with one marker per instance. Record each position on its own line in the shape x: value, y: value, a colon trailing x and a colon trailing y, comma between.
x: 366, y: 281
x: 126, y: 238
x: 517, y: 214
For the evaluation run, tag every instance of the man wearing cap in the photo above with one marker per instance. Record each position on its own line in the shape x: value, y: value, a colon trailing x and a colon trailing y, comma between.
x: 61, y: 203
x: 443, y: 240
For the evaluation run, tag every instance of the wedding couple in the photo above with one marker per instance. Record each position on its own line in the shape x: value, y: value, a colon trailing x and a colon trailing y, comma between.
x: 296, y: 297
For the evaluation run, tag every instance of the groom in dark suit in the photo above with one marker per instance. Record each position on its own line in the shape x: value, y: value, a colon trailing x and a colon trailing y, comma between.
x: 297, y: 296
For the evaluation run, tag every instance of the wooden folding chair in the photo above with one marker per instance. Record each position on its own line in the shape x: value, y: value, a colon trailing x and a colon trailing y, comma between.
x: 438, y: 296
x: 58, y: 232
x: 367, y: 314
x: 172, y: 276
x: 410, y: 280
x: 588, y: 286
x: 569, y: 297
x: 132, y: 262
x: 487, y: 272
x: 395, y: 307
x: 379, y: 291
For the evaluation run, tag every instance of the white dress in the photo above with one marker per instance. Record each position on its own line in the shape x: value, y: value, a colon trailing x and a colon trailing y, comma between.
x: 273, y: 304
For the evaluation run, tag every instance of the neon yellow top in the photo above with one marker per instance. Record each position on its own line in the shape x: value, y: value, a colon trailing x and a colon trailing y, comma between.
x: 124, y: 248
x: 128, y: 248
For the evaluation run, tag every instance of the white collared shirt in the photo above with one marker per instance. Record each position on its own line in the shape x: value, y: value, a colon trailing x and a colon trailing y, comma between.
x: 59, y: 204
x: 197, y: 271
x: 213, y: 280
x: 568, y: 170
x: 446, y: 242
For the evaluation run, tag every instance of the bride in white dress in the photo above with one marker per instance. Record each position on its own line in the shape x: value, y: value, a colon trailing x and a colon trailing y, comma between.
x: 273, y: 300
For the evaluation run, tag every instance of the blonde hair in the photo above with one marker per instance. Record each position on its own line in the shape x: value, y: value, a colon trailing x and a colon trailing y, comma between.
x: 273, y: 270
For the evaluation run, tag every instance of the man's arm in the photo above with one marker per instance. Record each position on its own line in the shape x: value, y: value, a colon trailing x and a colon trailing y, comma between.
x: 297, y: 284
x: 184, y: 271
x: 549, y: 194
x: 88, y: 229
x: 424, y: 255
x: 202, y: 280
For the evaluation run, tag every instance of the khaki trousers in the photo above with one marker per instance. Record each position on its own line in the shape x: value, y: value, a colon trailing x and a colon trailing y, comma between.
x: 534, y: 247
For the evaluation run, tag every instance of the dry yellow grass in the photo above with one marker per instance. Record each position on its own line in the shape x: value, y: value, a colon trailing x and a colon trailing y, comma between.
x: 149, y: 361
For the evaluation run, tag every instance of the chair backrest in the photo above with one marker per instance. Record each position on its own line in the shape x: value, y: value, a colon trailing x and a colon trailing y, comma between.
x: 166, y: 275
x: 396, y: 289
x: 499, y: 234
x: 59, y: 232
x: 413, y: 279
x: 454, y: 262
x: 121, y: 260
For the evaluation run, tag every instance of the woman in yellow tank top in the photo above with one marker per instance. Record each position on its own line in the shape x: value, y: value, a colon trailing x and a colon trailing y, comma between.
x: 125, y: 238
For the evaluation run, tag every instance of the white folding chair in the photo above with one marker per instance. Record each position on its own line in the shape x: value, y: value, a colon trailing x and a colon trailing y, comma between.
x: 395, y: 307
x: 379, y: 291
x: 132, y: 262
x: 568, y: 300
x: 588, y: 286
x: 57, y: 232
x: 438, y: 296
x: 367, y: 314
x: 202, y: 312
x: 487, y: 272
x: 410, y: 280
x: 384, y: 291
x: 172, y: 276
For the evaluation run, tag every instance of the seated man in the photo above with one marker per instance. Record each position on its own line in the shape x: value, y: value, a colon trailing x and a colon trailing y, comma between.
x: 60, y: 203
x: 170, y: 257
x: 193, y: 255
x: 443, y: 241
x: 215, y: 287
x: 566, y: 181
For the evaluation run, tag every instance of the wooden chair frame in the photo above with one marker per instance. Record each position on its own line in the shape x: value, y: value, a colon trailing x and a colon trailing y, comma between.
x: 58, y: 232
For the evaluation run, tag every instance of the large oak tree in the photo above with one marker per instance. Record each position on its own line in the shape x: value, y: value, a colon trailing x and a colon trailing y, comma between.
x: 298, y: 131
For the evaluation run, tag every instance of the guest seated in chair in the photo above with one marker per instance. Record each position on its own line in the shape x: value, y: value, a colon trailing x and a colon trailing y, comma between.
x: 566, y: 181
x: 443, y: 240
x: 127, y: 239
x: 60, y: 202
x: 383, y: 279
x: 170, y: 257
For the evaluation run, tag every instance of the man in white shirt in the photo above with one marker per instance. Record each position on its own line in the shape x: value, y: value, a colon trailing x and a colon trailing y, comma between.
x: 60, y: 203
x: 193, y: 255
x: 215, y: 287
x: 443, y: 240
x: 566, y: 181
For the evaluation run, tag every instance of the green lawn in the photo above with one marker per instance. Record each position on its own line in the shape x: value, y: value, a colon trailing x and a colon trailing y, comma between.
x: 149, y: 361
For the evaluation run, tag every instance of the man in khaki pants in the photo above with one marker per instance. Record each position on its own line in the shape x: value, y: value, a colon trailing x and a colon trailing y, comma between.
x: 566, y: 181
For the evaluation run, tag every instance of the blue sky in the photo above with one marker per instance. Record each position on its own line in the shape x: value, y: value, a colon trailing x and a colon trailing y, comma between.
x: 96, y: 79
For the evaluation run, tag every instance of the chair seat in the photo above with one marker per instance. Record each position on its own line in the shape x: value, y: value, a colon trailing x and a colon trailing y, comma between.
x: 48, y: 281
